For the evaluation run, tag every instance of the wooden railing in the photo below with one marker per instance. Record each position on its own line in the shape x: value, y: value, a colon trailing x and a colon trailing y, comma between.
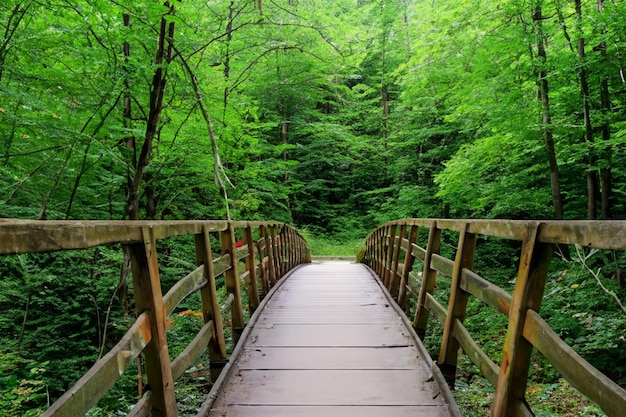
x: 269, y: 250
x: 392, y: 249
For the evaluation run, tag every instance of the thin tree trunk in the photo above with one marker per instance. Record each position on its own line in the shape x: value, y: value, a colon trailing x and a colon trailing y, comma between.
x: 592, y: 178
x: 605, y: 107
x: 163, y: 55
x: 544, y: 99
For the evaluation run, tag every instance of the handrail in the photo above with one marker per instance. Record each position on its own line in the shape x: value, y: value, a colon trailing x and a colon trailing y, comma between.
x: 279, y: 249
x: 395, y: 240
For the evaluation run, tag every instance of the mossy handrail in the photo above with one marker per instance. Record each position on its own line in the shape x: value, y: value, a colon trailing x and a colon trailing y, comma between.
x: 392, y: 241
x: 277, y: 249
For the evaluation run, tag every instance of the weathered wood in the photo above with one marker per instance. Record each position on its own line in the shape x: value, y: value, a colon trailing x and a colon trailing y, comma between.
x: 208, y: 295
x: 487, y: 367
x: 576, y: 370
x: 231, y: 279
x: 457, y: 305
x: 276, y: 253
x: 390, y: 246
x: 429, y: 276
x: 270, y: 255
x: 490, y: 294
x: 581, y: 375
x: 528, y: 294
x: 394, y: 282
x: 149, y: 299
x: 179, y: 291
x: 302, y: 354
x: 92, y: 386
x: 193, y: 351
x: 253, y: 290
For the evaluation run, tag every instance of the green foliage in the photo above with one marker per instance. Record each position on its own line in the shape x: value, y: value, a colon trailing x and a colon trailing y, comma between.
x: 24, y: 392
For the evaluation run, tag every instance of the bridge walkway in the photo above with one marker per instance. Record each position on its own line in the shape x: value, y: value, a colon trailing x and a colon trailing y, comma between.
x: 329, y: 342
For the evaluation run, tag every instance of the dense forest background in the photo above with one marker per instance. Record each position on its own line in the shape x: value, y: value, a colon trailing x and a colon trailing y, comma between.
x: 331, y: 115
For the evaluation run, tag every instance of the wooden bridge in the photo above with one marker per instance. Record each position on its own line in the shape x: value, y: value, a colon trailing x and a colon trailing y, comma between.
x: 330, y: 338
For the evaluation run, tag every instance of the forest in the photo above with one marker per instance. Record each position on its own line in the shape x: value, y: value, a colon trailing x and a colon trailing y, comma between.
x: 334, y: 116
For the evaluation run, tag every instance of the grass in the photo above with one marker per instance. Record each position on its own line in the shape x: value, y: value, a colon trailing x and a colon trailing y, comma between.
x: 330, y: 246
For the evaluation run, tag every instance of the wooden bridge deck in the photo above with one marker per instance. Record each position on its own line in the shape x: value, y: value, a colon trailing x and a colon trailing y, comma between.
x: 329, y: 342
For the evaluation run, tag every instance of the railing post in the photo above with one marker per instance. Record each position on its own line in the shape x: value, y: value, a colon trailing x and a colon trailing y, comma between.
x: 231, y: 279
x: 270, y: 256
x: 253, y: 293
x: 149, y: 298
x: 264, y: 274
x: 394, y: 282
x: 210, y: 303
x: 457, y: 304
x: 389, y: 257
x: 276, y: 254
x: 378, y: 250
x: 408, y: 265
x: 429, y: 276
x: 527, y: 295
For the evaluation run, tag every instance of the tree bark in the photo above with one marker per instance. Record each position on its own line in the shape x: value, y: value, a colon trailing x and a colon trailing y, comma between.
x: 588, y: 135
x: 163, y: 56
x: 546, y: 119
x: 605, y: 108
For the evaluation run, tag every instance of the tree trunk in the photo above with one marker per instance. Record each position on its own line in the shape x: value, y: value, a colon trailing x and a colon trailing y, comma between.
x: 592, y: 178
x: 544, y: 99
x: 163, y: 55
x: 605, y: 107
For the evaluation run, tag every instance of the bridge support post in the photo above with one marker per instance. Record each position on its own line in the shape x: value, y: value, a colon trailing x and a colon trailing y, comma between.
x: 231, y: 279
x: 274, y: 248
x: 210, y: 303
x: 149, y: 298
x: 390, y: 244
x: 457, y: 305
x: 394, y: 282
x: 527, y: 295
x: 253, y: 290
x: 428, y: 280
x: 408, y: 267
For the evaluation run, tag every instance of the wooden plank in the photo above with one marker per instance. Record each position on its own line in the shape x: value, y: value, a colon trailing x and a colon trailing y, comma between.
x: 253, y: 290
x: 429, y: 275
x: 312, y: 358
x: 192, y: 282
x: 457, y: 305
x: 24, y: 236
x: 148, y: 298
x: 329, y: 388
x: 490, y: 294
x: 208, y: 296
x: 315, y: 365
x: 488, y: 368
x: 231, y: 280
x: 330, y: 411
x: 528, y: 293
x: 577, y: 371
x: 193, y: 351
x: 86, y: 393
x: 408, y: 265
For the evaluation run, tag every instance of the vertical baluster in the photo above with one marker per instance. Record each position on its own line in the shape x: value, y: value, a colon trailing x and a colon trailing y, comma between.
x: 149, y: 298
x: 390, y: 240
x: 527, y: 295
x: 408, y: 266
x: 270, y: 256
x: 231, y: 279
x: 253, y: 293
x: 394, y: 282
x: 428, y: 280
x: 275, y: 253
x: 210, y: 303
x: 457, y: 304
